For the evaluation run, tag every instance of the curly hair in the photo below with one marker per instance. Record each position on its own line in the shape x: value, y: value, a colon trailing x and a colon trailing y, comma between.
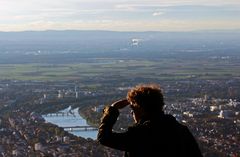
x: 147, y: 96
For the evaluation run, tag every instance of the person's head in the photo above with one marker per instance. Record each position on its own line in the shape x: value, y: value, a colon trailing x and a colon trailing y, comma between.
x: 145, y: 100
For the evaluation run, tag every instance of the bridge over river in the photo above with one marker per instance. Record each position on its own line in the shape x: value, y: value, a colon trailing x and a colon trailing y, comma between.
x: 79, y: 128
x: 60, y: 114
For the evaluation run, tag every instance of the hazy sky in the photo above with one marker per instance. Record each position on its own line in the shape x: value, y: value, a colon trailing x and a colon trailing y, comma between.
x: 119, y: 15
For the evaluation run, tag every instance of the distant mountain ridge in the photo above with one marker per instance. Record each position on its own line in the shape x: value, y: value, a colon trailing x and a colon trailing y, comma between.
x: 73, y: 34
x: 113, y: 42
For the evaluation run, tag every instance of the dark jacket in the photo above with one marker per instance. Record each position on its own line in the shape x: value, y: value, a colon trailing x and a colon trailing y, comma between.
x: 160, y: 136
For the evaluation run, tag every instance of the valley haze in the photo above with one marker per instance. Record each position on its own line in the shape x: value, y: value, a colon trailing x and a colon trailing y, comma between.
x: 44, y: 72
x: 33, y: 46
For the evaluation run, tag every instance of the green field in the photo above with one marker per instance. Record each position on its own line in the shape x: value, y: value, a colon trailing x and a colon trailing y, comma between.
x: 102, y: 68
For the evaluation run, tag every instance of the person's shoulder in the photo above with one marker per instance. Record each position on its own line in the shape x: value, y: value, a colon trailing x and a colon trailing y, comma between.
x: 172, y: 123
x: 139, y: 126
x: 183, y: 129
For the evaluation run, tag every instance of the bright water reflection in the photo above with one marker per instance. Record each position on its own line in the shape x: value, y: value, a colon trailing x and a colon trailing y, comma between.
x: 71, y: 118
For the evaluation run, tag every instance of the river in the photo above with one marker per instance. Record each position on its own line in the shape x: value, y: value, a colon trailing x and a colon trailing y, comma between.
x: 71, y: 117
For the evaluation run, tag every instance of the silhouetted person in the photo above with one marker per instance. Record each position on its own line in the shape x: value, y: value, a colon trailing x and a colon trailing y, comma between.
x: 155, y: 134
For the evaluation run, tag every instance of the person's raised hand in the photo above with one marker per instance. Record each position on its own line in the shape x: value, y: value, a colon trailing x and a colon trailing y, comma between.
x: 120, y: 103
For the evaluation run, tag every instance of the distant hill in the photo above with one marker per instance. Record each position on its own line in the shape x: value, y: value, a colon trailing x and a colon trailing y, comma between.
x: 118, y: 44
x: 72, y: 40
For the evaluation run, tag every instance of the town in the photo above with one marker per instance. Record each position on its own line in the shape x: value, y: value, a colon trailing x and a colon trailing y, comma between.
x: 24, y: 132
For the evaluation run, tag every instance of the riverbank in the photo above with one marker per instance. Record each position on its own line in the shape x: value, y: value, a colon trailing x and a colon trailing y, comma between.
x: 89, y: 117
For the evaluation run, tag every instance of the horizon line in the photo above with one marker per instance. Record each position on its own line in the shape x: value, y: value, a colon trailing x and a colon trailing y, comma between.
x: 119, y: 31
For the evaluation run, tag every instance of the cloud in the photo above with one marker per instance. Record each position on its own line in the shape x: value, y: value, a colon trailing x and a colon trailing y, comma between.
x: 139, y: 15
x: 157, y: 13
x: 125, y: 7
x: 137, y: 25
